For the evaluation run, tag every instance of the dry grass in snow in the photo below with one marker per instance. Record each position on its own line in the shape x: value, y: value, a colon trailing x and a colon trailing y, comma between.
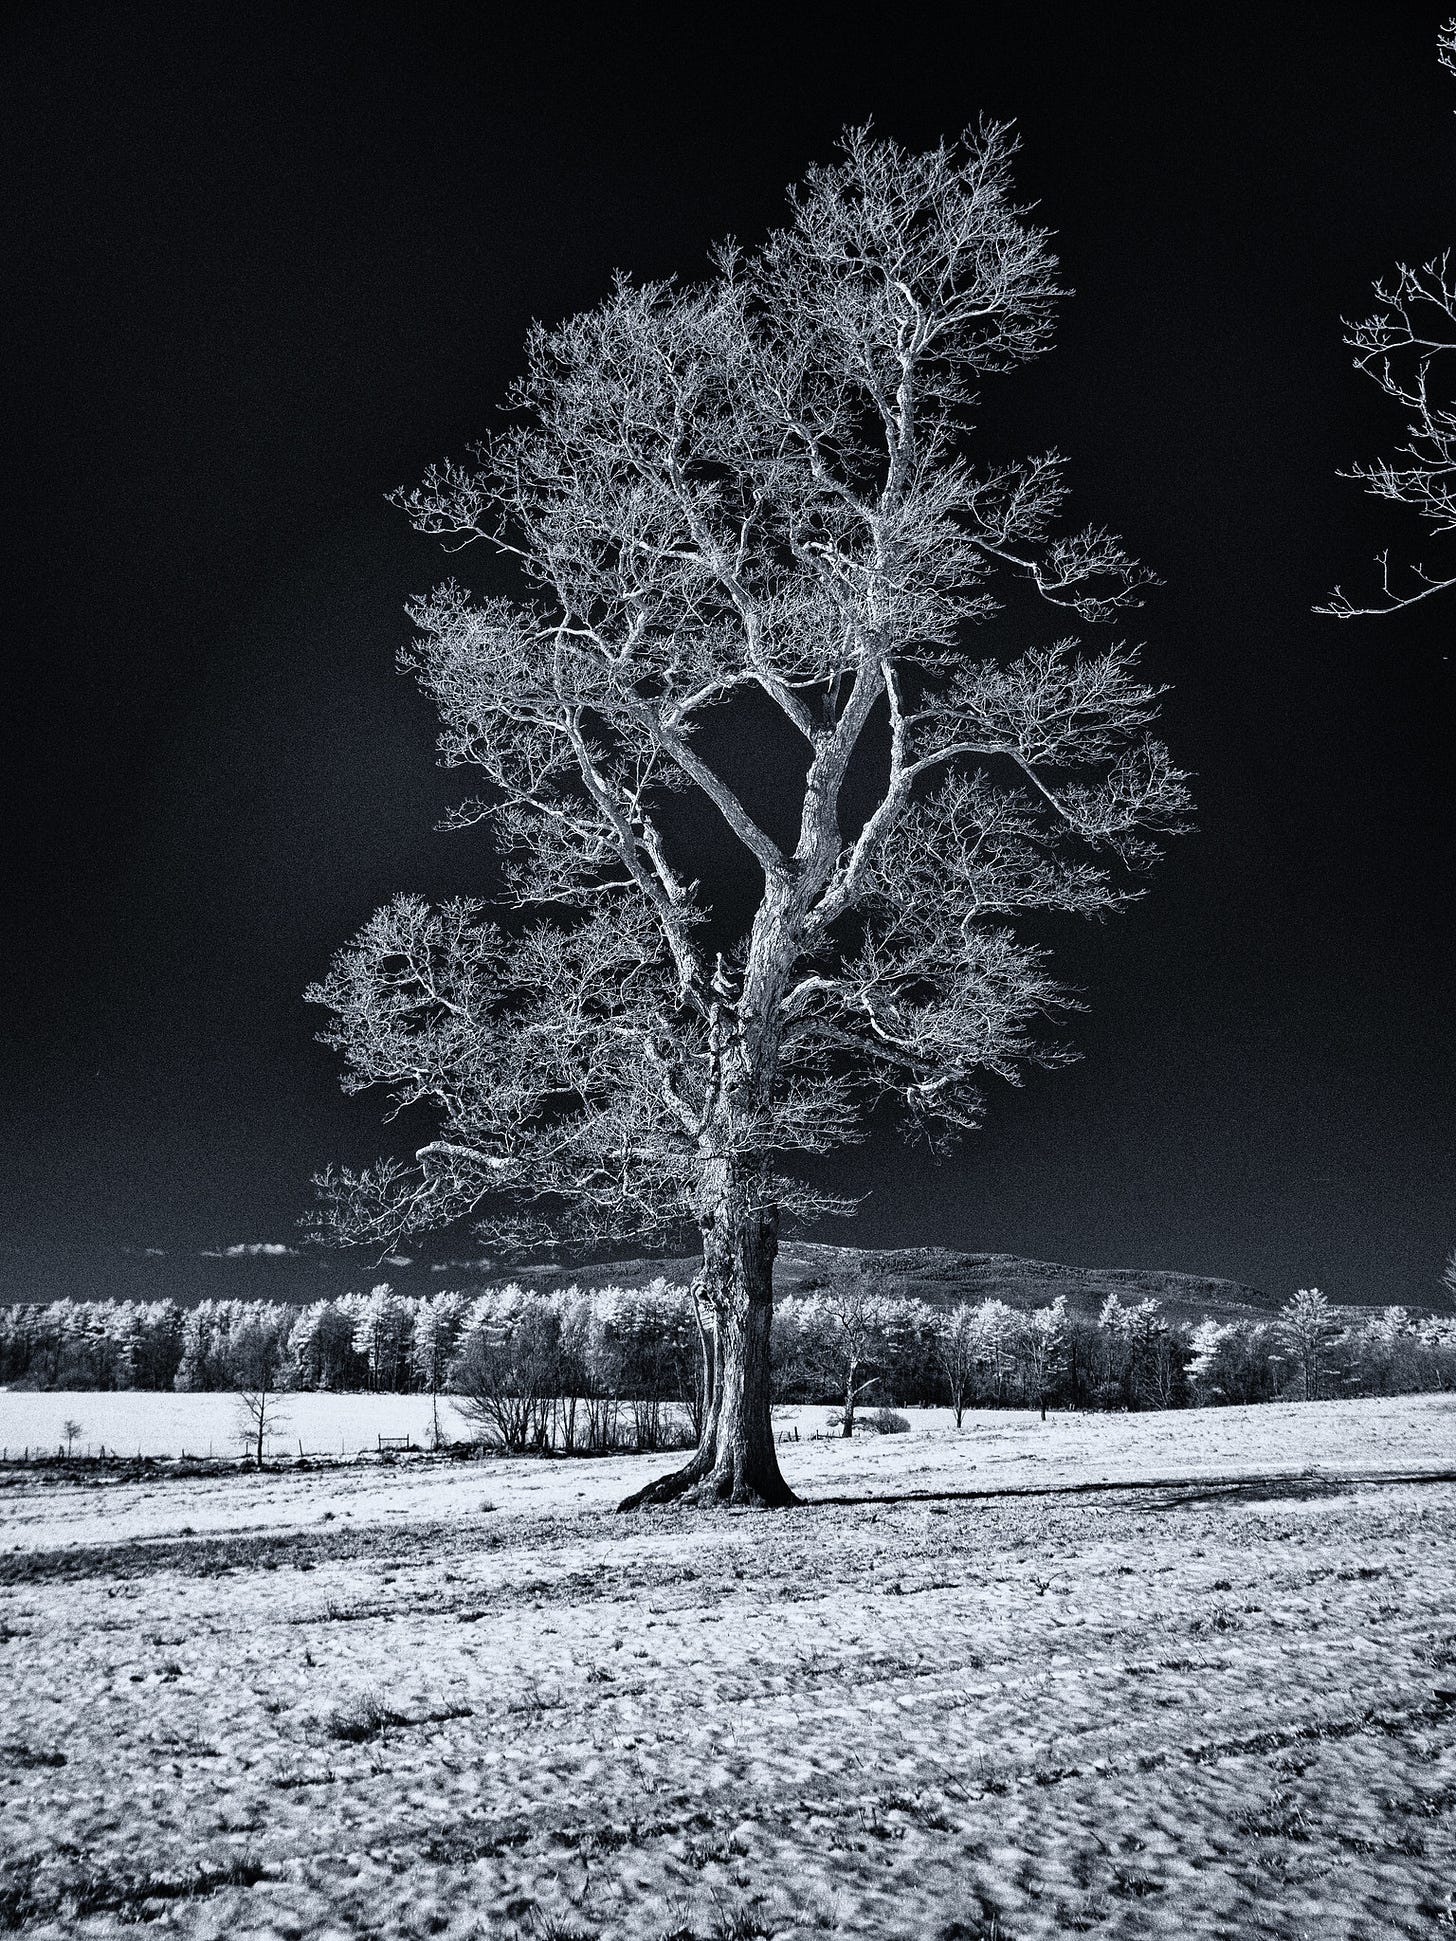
x: 1209, y: 1708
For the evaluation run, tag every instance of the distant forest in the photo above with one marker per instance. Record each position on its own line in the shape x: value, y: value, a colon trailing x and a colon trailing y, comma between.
x: 850, y: 1345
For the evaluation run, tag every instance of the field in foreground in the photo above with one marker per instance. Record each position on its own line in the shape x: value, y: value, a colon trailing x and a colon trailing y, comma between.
x: 363, y: 1702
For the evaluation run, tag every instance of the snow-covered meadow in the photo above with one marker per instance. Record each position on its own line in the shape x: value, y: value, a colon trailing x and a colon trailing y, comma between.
x: 467, y: 1700
x: 136, y: 1422
x: 131, y: 1422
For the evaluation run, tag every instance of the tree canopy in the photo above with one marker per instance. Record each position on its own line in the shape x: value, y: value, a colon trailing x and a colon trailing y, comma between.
x: 754, y: 489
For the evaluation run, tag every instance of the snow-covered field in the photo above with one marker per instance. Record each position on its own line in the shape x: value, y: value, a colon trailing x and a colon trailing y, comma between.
x: 364, y: 1701
x: 135, y: 1422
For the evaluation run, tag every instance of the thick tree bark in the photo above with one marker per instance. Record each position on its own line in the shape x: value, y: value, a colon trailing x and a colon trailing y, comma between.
x: 708, y: 1365
x: 736, y: 1461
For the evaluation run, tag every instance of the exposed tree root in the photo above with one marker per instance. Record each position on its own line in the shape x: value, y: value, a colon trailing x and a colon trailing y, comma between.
x: 702, y: 1484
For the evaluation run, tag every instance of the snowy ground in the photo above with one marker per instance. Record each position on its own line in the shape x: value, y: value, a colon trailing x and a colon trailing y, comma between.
x: 136, y: 1422
x: 358, y: 1701
x: 996, y: 1450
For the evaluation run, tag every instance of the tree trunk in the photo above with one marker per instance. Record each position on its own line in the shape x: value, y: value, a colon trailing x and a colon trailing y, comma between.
x: 736, y: 1461
x: 708, y: 1367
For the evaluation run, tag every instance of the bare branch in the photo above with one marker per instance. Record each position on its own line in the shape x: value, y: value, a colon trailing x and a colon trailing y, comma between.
x: 1407, y: 346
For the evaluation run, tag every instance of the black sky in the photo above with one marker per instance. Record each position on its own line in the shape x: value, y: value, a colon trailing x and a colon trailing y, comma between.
x: 264, y: 264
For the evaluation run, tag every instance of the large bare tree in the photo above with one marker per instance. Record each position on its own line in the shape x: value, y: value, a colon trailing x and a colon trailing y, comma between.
x: 750, y: 500
x: 1407, y: 345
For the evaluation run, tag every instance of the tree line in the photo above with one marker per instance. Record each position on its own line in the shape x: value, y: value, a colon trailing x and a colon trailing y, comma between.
x: 562, y: 1365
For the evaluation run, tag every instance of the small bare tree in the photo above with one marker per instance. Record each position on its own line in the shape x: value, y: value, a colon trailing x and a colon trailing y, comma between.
x: 745, y: 518
x: 957, y: 1346
x: 860, y: 1314
x: 72, y: 1432
x: 260, y: 1415
x: 260, y: 1405
x: 1408, y: 346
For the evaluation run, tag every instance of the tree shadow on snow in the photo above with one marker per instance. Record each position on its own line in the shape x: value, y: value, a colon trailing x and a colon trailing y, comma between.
x: 1161, y: 1493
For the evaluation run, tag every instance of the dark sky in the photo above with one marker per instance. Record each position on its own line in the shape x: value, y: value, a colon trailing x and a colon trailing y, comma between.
x: 264, y: 264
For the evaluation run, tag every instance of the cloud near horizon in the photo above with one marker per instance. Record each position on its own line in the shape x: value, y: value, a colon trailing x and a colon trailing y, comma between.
x: 248, y: 1250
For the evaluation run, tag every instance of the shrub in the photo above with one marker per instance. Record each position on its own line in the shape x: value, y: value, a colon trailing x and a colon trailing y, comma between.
x: 362, y: 1717
x: 885, y: 1422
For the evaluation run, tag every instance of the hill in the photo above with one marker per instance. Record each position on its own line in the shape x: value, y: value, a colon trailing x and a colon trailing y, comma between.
x: 925, y: 1273
x: 940, y: 1274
